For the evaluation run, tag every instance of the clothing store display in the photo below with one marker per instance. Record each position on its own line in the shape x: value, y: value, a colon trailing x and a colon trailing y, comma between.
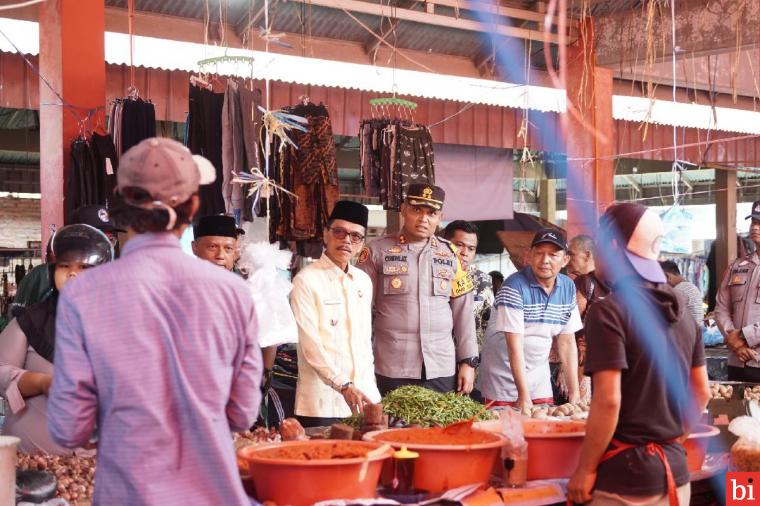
x: 92, y: 177
x: 693, y: 269
x: 130, y: 121
x: 205, y: 139
x: 394, y: 154
x: 241, y: 121
x: 310, y: 172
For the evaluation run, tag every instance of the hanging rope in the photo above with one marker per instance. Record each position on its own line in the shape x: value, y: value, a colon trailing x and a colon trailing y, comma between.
x: 677, y: 168
x: 130, y: 21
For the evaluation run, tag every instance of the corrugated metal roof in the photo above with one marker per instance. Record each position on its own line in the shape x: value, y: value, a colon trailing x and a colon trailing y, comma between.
x: 232, y: 10
x: 19, y: 119
x: 295, y: 16
x: 19, y: 158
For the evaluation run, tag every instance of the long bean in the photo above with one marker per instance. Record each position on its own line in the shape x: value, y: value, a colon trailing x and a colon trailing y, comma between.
x: 425, y: 407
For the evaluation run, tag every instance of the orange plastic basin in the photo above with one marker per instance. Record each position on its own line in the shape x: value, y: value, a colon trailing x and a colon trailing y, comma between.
x: 554, y: 447
x: 283, y: 479
x: 442, y: 466
x: 696, y: 446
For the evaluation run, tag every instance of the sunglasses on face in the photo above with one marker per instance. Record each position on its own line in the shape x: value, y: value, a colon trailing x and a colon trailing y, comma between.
x: 341, y: 233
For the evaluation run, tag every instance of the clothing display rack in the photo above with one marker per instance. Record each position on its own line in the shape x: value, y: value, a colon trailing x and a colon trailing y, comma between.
x: 130, y: 120
x: 394, y: 151
x: 224, y: 127
x: 309, y: 170
x: 693, y: 268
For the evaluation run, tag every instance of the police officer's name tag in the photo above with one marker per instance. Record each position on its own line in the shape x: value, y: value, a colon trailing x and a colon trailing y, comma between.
x: 461, y: 285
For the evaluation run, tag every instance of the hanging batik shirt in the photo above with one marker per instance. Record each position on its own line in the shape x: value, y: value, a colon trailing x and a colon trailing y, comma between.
x: 522, y: 306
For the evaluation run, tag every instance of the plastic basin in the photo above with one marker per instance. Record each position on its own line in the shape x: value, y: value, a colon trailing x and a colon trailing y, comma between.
x: 696, y: 446
x: 288, y: 481
x: 554, y: 446
x: 441, y: 467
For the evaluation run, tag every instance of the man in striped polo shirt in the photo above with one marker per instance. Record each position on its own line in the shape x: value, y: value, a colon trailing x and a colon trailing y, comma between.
x: 533, y: 307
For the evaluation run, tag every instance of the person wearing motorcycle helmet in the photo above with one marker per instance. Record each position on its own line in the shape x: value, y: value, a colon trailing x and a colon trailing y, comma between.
x: 27, y: 345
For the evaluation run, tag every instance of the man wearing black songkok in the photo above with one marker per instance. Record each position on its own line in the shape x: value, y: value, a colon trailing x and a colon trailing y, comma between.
x: 332, y: 303
x: 216, y: 240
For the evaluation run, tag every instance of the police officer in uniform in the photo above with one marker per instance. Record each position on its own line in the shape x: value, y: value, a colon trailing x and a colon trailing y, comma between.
x: 424, y: 327
x: 737, y: 309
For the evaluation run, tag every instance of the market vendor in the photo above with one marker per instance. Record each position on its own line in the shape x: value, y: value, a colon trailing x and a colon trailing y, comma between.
x: 737, y: 309
x: 534, y: 307
x: 646, y: 360
x: 28, y: 342
x: 332, y: 303
x: 159, y: 349
x: 424, y: 327
x: 590, y: 288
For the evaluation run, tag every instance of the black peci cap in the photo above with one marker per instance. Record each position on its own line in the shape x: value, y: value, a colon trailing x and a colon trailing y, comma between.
x: 352, y: 212
x: 217, y: 226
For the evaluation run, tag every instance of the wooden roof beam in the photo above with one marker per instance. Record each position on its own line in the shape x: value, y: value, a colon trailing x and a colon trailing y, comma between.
x: 701, y: 29
x: 374, y: 9
x: 373, y: 43
x: 494, y: 8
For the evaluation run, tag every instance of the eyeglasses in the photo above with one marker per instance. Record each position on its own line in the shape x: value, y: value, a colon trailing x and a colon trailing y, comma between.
x: 341, y: 233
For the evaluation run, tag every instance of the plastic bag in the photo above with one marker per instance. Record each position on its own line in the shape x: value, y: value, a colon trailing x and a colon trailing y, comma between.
x: 711, y: 334
x: 677, y: 222
x: 270, y: 292
x: 745, y: 453
x: 515, y: 453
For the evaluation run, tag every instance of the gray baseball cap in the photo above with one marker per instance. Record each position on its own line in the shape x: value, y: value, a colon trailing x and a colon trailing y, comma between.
x: 165, y: 169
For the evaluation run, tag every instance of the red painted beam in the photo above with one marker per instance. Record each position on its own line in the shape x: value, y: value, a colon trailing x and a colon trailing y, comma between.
x: 590, y: 135
x: 72, y: 60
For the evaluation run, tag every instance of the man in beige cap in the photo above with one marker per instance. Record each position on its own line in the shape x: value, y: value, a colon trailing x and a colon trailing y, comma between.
x: 158, y: 350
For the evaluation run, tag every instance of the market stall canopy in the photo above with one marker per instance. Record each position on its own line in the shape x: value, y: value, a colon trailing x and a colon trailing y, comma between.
x: 517, y: 234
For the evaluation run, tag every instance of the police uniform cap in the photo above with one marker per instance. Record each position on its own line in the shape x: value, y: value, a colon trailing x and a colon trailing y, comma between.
x: 425, y: 195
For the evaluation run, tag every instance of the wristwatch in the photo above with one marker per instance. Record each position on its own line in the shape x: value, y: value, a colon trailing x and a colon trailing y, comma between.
x: 473, y: 362
x: 344, y: 386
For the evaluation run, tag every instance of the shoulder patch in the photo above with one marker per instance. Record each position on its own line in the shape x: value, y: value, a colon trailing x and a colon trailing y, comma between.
x: 363, y: 255
x: 462, y: 284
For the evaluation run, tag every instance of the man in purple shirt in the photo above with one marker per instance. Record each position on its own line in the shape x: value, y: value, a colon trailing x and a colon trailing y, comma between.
x: 159, y: 351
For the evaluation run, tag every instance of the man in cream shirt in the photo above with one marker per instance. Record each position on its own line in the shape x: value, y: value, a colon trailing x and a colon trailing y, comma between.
x: 332, y: 303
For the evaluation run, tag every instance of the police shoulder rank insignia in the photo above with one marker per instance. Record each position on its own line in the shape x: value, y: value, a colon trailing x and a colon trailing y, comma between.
x: 364, y: 255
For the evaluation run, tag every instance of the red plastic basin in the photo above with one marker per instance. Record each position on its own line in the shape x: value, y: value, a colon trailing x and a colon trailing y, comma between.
x: 304, y: 482
x: 441, y: 467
